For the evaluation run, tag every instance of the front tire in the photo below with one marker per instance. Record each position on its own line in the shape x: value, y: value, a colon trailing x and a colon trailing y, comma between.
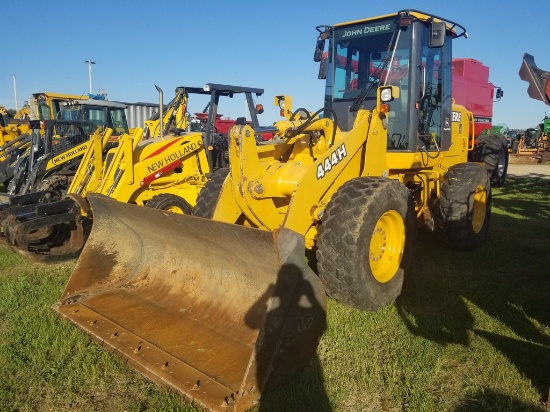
x: 465, y: 205
x: 366, y: 242
x: 208, y: 196
x: 170, y: 203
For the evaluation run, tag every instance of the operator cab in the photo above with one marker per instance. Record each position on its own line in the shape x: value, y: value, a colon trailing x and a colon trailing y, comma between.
x: 101, y: 113
x: 408, y: 50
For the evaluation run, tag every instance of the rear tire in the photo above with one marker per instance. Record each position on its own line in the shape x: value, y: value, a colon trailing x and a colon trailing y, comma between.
x: 208, y: 196
x: 492, y: 149
x: 366, y: 242
x: 170, y: 203
x: 465, y: 205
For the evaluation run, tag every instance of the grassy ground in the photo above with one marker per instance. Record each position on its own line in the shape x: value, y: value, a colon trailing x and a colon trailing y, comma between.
x: 471, y: 332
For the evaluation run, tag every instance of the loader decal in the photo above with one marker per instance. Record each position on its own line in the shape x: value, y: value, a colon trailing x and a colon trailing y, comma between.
x: 330, y: 161
x: 456, y: 116
x: 172, y: 157
x: 365, y: 31
x: 69, y: 154
x: 169, y: 163
x: 160, y: 150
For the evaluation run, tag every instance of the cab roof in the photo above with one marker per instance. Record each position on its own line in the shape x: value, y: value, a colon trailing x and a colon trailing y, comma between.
x: 419, y: 15
x: 103, y: 103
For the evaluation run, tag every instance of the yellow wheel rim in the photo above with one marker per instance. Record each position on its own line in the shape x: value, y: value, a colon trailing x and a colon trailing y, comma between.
x: 174, y: 209
x: 386, y: 246
x: 479, y: 209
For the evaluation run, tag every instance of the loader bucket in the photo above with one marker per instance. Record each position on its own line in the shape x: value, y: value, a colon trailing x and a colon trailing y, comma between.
x: 539, y: 80
x: 218, y: 312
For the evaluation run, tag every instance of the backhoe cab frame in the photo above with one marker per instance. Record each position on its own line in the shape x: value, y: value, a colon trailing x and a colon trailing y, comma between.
x: 221, y: 90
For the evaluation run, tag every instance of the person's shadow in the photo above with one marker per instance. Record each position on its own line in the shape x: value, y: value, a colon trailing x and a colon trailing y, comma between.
x: 291, y: 318
x: 294, y: 324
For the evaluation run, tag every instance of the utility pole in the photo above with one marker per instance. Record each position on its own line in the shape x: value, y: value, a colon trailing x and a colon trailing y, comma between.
x: 90, y: 62
x: 15, y: 92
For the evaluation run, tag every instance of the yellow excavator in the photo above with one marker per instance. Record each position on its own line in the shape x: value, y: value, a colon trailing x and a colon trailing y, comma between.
x: 164, y: 173
x: 222, y: 305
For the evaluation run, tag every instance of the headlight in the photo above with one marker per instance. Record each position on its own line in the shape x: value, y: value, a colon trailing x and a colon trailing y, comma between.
x: 281, y: 102
x: 386, y: 95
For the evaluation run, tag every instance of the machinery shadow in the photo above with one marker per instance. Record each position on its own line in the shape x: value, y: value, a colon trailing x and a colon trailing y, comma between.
x: 488, y: 399
x: 507, y: 279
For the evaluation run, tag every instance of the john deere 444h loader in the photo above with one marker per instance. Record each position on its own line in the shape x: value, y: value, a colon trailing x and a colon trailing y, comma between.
x: 222, y: 309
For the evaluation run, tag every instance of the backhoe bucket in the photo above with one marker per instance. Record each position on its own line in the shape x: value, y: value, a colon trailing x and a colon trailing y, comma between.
x: 218, y: 312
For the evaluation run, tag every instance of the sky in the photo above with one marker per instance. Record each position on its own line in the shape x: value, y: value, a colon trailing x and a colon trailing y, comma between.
x: 265, y: 44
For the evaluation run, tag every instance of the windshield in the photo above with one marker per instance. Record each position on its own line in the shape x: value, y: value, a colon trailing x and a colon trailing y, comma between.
x: 366, y: 56
x: 70, y: 113
x: 114, y: 118
x: 118, y: 121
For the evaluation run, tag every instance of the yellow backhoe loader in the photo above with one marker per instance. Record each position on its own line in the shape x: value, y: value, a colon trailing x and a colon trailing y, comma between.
x: 15, y: 135
x: 174, y: 117
x: 43, y: 172
x: 41, y: 106
x: 221, y: 309
x: 162, y: 173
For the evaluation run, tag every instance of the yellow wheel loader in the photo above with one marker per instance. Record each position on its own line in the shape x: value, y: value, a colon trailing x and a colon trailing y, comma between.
x: 162, y: 173
x: 223, y: 307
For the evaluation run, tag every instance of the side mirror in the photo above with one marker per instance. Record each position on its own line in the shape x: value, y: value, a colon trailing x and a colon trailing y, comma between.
x: 319, y: 49
x: 323, y: 68
x: 498, y: 93
x: 437, y: 34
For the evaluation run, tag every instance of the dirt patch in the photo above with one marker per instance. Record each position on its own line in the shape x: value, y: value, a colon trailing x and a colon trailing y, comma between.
x: 530, y: 170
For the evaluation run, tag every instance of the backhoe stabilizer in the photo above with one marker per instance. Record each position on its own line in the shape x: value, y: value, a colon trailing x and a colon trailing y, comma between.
x: 219, y: 312
x: 539, y: 80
